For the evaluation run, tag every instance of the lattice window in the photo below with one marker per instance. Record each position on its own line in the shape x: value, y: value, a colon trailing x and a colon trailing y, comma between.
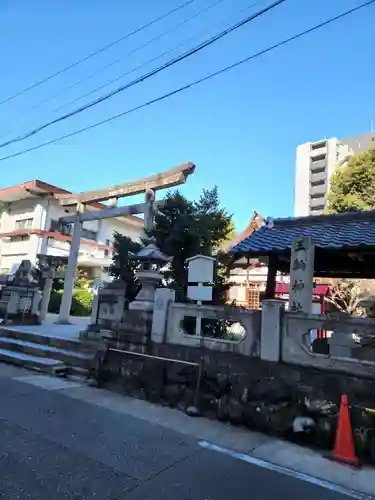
x: 254, y: 297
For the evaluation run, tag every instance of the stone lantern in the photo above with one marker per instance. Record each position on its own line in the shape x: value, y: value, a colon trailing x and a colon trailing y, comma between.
x: 150, y: 274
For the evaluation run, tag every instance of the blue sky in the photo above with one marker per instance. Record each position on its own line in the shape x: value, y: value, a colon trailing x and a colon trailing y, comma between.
x: 240, y: 129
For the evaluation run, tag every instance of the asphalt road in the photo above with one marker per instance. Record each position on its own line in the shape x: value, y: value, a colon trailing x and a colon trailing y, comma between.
x: 56, y: 447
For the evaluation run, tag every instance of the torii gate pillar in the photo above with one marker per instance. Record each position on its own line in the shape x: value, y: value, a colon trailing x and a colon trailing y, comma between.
x: 70, y: 275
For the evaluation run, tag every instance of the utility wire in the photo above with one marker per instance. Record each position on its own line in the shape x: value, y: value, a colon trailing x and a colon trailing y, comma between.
x: 135, y: 68
x: 99, y: 51
x: 103, y: 68
x: 137, y: 49
x: 192, y: 84
x: 144, y: 77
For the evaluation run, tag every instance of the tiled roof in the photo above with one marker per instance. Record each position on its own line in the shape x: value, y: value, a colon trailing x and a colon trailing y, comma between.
x: 256, y: 222
x: 334, y: 231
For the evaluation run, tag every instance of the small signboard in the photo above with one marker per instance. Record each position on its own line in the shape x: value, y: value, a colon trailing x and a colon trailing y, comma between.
x: 200, y: 293
x: 200, y: 269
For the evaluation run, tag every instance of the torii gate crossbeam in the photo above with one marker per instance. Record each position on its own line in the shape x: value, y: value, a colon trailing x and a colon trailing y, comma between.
x: 169, y: 178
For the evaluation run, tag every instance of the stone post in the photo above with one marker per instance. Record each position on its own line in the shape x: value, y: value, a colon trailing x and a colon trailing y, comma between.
x: 66, y: 301
x: 163, y: 298
x: 271, y: 330
x: 301, y: 275
x: 46, y: 296
x: 341, y: 345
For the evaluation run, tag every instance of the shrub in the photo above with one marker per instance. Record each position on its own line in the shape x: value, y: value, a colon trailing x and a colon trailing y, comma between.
x: 81, y: 302
x: 55, y: 302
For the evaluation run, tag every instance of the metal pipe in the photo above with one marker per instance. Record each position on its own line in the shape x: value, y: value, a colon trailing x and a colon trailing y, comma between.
x: 160, y: 358
x: 171, y: 360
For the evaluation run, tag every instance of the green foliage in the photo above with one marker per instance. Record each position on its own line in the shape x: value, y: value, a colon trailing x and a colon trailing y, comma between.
x: 183, y: 228
x: 55, y: 301
x: 122, y: 267
x: 353, y: 186
x: 82, y: 280
x: 81, y: 302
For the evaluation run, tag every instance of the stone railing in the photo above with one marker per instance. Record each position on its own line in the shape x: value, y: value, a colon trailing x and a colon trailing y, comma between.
x: 223, y: 328
x: 333, y: 343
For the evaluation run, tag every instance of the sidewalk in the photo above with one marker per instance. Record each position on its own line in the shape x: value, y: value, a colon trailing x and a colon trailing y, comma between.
x: 256, y: 448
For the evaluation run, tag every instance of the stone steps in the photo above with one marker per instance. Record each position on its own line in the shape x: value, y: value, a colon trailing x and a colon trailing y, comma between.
x: 50, y: 354
x: 46, y: 365
x: 73, y: 358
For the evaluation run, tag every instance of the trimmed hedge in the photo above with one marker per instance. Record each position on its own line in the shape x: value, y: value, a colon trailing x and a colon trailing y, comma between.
x: 81, y: 302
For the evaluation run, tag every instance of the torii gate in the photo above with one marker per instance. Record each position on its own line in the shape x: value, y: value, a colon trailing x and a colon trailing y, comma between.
x: 167, y: 179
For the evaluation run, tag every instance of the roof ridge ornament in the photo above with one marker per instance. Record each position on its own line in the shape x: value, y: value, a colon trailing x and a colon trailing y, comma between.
x: 269, y: 223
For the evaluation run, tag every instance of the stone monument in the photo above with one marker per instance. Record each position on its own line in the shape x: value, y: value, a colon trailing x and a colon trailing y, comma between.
x: 301, y: 275
x: 21, y: 297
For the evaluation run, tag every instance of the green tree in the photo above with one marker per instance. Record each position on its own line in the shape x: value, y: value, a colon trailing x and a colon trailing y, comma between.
x: 352, y: 189
x: 122, y: 267
x: 353, y: 186
x: 184, y: 228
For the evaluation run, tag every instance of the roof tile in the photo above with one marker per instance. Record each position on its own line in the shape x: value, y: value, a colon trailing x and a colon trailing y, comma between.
x: 328, y: 231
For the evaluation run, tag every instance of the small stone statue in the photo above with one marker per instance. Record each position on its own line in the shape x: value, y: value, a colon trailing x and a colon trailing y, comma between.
x: 25, y: 273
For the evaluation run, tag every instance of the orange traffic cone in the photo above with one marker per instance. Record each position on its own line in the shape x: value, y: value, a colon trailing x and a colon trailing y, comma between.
x: 343, y: 450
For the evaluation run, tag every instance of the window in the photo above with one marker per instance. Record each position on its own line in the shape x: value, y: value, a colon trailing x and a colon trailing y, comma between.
x: 318, y: 158
x: 315, y: 196
x: 24, y: 223
x: 17, y: 239
x: 319, y: 182
x: 54, y: 226
x: 106, y: 251
x: 89, y: 235
x: 318, y: 145
x: 318, y: 170
x: 315, y: 210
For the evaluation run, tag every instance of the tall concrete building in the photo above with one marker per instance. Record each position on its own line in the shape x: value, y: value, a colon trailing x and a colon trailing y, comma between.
x: 315, y: 164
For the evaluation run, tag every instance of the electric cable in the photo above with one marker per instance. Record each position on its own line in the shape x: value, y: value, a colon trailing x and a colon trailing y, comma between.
x: 193, y: 83
x: 144, y: 77
x: 92, y: 54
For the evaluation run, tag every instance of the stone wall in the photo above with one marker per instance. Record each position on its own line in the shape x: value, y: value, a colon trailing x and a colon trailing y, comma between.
x: 345, y: 353
x: 247, y: 344
x: 262, y: 395
x: 267, y: 378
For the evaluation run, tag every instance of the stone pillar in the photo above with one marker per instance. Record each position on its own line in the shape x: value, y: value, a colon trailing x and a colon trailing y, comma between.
x: 163, y: 297
x: 301, y: 275
x: 95, y: 301
x: 341, y: 345
x: 271, y: 330
x: 46, y: 296
x: 66, y: 301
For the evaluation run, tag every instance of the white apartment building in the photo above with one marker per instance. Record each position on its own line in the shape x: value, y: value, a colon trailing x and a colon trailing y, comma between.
x: 315, y: 164
x: 29, y: 215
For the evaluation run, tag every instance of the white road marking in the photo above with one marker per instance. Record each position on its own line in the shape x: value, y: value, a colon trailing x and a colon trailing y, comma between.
x: 288, y: 472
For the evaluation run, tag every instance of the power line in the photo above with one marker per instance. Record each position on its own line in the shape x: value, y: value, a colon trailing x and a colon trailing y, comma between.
x: 192, y: 84
x: 144, y: 77
x: 92, y: 54
x: 168, y: 51
x: 103, y: 68
x: 137, y: 49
